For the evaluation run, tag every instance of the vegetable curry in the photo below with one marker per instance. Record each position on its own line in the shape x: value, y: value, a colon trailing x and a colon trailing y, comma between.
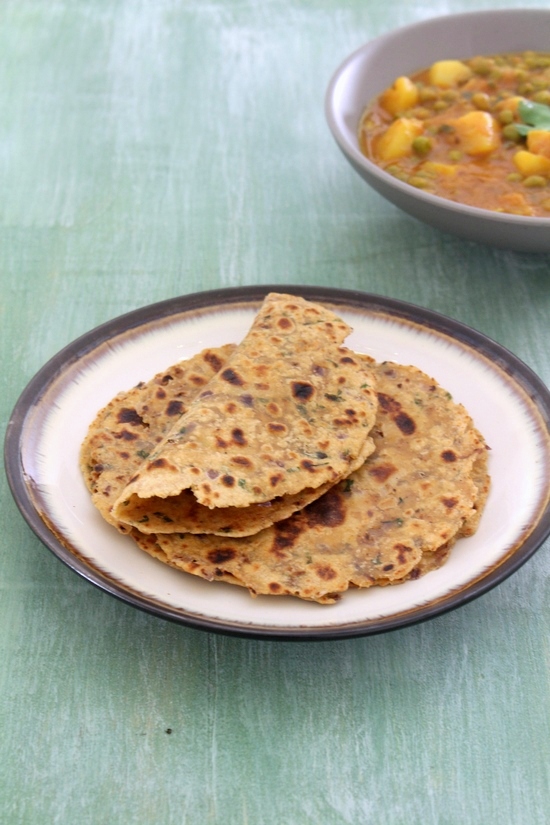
x: 475, y: 131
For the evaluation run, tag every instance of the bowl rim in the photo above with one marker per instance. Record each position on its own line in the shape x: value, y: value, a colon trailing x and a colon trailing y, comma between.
x: 358, y: 159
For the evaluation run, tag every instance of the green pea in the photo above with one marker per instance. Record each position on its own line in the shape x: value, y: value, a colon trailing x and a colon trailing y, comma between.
x: 455, y: 154
x: 481, y: 65
x: 542, y: 97
x: 514, y: 177
x: 419, y: 182
x: 510, y: 132
x: 450, y: 95
x: 420, y: 113
x: 481, y: 101
x: 421, y: 145
x: 398, y: 173
x: 426, y: 94
x: 505, y: 117
x: 534, y: 181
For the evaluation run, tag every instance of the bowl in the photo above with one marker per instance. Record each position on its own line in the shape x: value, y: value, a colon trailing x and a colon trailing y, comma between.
x: 374, y: 66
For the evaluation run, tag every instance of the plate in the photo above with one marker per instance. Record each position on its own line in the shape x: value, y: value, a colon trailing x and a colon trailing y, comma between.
x: 508, y: 402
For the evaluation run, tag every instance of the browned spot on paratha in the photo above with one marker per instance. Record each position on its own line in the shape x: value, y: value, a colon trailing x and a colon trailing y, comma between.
x: 232, y: 377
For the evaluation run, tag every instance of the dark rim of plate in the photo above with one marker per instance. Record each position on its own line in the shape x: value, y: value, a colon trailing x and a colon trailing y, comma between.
x: 30, y: 398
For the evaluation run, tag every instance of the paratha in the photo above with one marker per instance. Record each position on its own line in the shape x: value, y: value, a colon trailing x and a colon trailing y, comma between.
x: 127, y: 430
x: 393, y: 519
x: 286, y: 418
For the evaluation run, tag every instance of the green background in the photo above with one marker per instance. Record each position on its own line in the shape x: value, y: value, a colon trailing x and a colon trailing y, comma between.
x: 152, y: 148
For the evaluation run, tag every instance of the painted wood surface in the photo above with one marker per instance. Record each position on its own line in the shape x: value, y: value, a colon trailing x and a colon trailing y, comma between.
x: 150, y: 149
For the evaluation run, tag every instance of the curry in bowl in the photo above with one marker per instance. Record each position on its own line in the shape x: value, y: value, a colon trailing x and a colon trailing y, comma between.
x: 474, y: 131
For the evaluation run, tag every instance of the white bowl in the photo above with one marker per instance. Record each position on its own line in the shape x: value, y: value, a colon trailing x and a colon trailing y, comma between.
x: 373, y: 67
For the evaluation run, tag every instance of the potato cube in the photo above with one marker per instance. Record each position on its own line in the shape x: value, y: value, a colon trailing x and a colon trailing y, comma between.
x: 509, y: 103
x: 477, y: 132
x: 449, y: 73
x: 396, y: 141
x: 436, y: 168
x: 538, y: 142
x: 530, y: 164
x: 399, y: 97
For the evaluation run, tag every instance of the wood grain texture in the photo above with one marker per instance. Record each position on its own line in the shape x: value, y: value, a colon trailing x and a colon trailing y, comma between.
x: 151, y: 149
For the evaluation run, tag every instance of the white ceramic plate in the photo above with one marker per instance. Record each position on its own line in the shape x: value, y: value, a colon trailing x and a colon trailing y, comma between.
x: 508, y: 403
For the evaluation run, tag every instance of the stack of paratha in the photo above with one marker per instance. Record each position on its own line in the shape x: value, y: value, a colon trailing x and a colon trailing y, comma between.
x: 288, y: 464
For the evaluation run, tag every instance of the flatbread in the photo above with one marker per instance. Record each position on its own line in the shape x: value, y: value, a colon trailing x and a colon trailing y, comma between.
x: 131, y: 426
x: 287, y: 417
x: 395, y: 518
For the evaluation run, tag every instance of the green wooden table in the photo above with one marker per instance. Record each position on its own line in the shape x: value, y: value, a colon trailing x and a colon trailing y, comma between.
x: 153, y: 149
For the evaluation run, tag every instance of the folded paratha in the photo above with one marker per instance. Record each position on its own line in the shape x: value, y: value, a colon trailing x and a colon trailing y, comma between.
x: 286, y: 418
x: 393, y: 519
